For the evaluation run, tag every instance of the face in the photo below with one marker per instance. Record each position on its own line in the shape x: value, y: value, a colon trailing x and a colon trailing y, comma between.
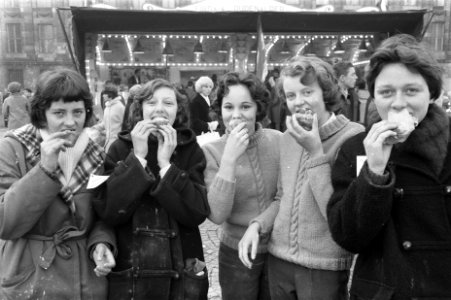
x: 301, y: 97
x: 62, y: 116
x: 350, y: 79
x: 239, y: 105
x: 163, y: 104
x: 397, y: 88
x: 206, y: 89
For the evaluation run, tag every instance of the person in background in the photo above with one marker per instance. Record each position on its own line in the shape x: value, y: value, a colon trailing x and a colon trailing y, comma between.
x: 113, y: 115
x: 277, y: 110
x: 394, y: 211
x: 241, y: 178
x: 189, y: 90
x: 28, y: 93
x: 52, y: 244
x: 155, y: 198
x: 347, y: 78
x: 16, y: 108
x: 304, y: 261
x: 135, y: 78
x: 200, y: 107
x: 129, y: 107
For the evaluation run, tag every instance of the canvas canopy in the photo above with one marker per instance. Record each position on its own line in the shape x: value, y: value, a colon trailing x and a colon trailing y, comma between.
x: 107, y: 21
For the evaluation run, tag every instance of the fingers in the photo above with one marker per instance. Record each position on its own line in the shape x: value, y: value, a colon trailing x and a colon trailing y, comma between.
x: 243, y: 253
x: 104, y: 259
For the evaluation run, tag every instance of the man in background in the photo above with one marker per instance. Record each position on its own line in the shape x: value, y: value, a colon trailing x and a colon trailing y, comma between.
x: 347, y: 78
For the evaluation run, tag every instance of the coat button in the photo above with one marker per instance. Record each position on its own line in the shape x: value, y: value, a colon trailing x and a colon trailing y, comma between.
x: 407, y: 245
x: 399, y: 192
x: 183, y: 175
x: 448, y: 189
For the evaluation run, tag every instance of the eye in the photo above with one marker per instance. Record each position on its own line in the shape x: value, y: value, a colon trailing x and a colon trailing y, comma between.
x: 150, y: 102
x: 385, y: 93
x: 307, y: 92
x: 78, y: 113
x: 246, y: 106
x: 290, y: 96
x: 227, y: 107
x: 59, y: 114
x: 412, y: 91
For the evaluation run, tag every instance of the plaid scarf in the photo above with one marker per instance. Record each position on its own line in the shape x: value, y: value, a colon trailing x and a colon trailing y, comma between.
x: 90, y: 161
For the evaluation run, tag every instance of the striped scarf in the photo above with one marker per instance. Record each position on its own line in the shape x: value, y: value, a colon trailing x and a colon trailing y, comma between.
x: 90, y: 161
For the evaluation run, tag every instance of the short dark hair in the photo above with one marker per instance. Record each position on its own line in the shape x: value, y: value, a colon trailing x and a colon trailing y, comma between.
x: 54, y: 85
x: 110, y: 89
x: 342, y: 67
x: 405, y: 49
x: 256, y: 88
x: 147, y: 92
x: 312, y: 69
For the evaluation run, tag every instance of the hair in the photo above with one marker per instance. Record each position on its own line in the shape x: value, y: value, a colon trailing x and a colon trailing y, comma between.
x: 54, y: 85
x: 203, y: 80
x: 136, y: 71
x: 110, y: 89
x: 405, y: 49
x: 342, y: 68
x: 14, y: 87
x: 28, y: 90
x: 256, y: 88
x: 313, y: 69
x: 147, y: 91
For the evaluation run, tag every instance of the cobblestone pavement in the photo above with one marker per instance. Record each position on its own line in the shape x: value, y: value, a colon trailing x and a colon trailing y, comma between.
x: 210, y: 240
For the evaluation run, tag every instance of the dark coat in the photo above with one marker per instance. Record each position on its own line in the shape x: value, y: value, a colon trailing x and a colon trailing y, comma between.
x: 199, y: 114
x: 156, y: 219
x: 349, y: 107
x: 400, y: 226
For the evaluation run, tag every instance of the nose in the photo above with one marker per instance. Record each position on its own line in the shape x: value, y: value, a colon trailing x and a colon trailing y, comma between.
x: 159, y: 107
x: 399, y: 101
x: 299, y: 101
x: 236, y: 114
x: 69, y: 120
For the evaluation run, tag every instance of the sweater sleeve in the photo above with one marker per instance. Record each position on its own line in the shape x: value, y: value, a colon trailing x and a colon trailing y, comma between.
x: 182, y: 192
x: 23, y: 200
x: 197, y: 124
x: 358, y: 208
x: 319, y: 172
x: 221, y: 192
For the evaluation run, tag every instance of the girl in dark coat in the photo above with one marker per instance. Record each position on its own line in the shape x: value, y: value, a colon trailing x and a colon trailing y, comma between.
x: 155, y: 198
x: 396, y: 212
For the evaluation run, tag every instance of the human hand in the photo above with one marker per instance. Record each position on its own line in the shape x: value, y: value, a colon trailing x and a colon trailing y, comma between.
x: 104, y: 259
x: 308, y: 139
x: 167, y: 142
x: 237, y: 142
x: 376, y: 149
x: 249, y: 243
x: 140, y: 135
x: 51, y: 147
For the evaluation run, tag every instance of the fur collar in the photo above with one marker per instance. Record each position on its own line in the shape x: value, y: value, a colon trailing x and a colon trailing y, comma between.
x: 430, y: 139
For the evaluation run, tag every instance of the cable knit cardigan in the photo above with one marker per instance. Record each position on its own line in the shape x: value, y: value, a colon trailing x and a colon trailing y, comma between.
x: 297, y: 217
x: 234, y: 204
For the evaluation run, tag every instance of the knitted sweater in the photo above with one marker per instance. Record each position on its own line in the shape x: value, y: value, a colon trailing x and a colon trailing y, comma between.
x: 297, y: 217
x: 234, y: 204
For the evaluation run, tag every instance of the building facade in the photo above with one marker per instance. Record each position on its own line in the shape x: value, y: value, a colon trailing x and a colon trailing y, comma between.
x: 33, y: 39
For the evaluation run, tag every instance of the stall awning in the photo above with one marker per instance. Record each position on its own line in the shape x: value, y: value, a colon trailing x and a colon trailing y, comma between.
x: 91, y: 20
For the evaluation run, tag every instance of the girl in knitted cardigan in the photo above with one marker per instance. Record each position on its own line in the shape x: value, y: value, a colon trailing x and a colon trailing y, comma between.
x: 304, y: 261
x: 241, y: 177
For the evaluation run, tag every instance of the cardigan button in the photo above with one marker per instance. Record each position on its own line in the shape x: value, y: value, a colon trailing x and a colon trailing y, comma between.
x: 183, y: 175
x: 407, y: 245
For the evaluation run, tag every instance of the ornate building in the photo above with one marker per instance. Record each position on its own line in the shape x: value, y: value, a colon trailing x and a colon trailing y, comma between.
x: 33, y: 39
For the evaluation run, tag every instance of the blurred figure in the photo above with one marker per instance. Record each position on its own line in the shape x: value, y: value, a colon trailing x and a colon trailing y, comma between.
x: 28, y: 93
x: 129, y: 107
x: 200, y: 107
x: 347, y: 78
x: 189, y: 90
x: 16, y: 108
x: 135, y: 78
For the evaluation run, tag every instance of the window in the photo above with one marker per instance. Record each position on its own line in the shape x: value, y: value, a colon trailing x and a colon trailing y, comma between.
x: 438, y: 33
x: 15, y: 75
x: 14, y: 34
x: 46, y: 38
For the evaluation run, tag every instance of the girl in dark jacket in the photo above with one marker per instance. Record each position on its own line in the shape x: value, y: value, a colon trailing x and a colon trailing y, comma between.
x: 155, y: 198
x: 395, y: 211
